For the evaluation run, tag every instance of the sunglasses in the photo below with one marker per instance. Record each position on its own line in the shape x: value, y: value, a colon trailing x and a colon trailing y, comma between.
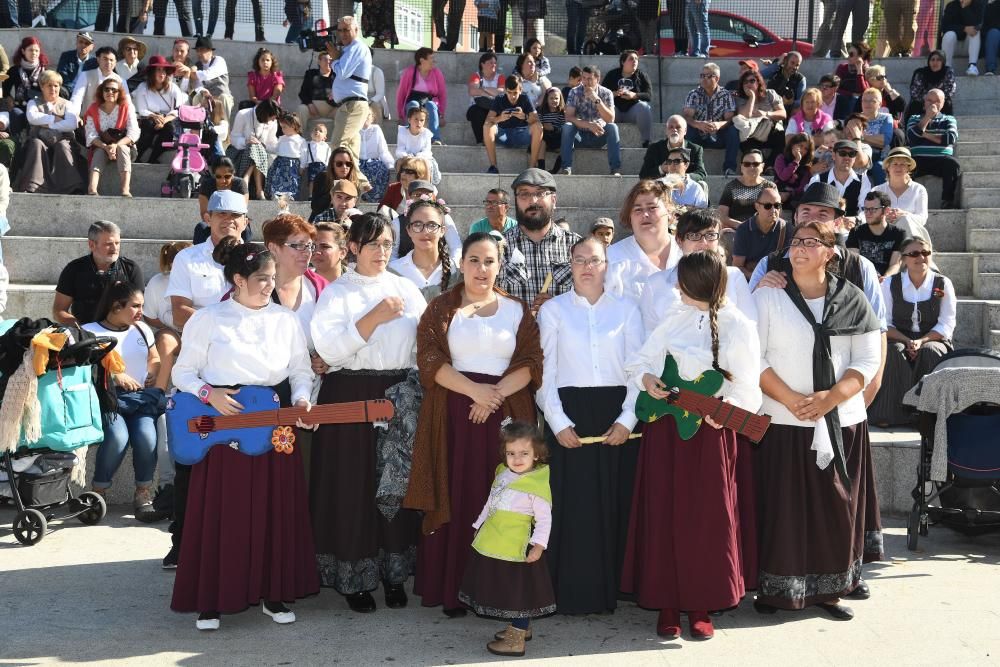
x: 409, y: 172
x: 880, y: 77
x: 917, y: 253
x: 347, y: 164
x: 706, y: 76
x: 847, y: 153
x: 676, y: 160
x: 767, y: 206
x: 752, y: 164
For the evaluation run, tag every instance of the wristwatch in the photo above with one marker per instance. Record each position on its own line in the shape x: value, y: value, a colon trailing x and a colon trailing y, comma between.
x: 204, y: 392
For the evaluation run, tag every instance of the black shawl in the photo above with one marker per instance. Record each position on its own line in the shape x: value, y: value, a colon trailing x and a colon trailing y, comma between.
x: 846, y: 312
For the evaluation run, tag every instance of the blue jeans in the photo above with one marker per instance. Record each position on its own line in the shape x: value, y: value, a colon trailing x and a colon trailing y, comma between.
x: 696, y: 18
x: 433, y: 117
x: 119, y: 432
x: 992, y: 47
x: 576, y: 27
x: 727, y: 138
x: 199, y: 17
x: 514, y: 137
x: 573, y: 136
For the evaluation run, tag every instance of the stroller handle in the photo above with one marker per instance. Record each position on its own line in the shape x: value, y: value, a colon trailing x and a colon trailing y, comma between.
x: 171, y: 144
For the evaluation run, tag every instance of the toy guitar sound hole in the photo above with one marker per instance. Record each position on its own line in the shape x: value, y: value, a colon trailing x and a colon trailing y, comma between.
x: 205, y: 424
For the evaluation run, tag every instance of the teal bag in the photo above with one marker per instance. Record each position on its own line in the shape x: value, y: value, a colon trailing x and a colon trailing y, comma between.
x: 71, y: 413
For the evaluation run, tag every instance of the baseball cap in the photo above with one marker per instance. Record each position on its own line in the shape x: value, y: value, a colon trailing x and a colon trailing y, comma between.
x: 227, y: 201
x: 345, y: 186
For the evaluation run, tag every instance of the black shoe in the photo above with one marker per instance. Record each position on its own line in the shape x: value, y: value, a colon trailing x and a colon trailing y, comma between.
x: 395, y: 596
x: 837, y: 611
x: 764, y: 608
x: 860, y: 592
x: 363, y: 602
x: 948, y: 204
x: 164, y: 499
x: 170, y: 560
x: 457, y: 612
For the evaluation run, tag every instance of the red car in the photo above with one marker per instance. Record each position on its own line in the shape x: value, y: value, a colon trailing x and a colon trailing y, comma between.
x: 734, y: 36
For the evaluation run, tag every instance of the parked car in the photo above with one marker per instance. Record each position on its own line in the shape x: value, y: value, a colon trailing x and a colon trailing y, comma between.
x: 735, y: 36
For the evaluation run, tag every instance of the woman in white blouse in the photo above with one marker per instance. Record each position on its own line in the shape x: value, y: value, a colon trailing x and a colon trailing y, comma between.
x: 364, y: 327
x: 253, y: 136
x: 432, y: 263
x: 921, y: 306
x: 909, y: 198
x: 647, y: 212
x: 246, y: 537
x: 157, y: 100
x: 111, y: 130
x: 587, y: 334
x: 480, y: 361
x: 683, y: 549
x: 815, y: 478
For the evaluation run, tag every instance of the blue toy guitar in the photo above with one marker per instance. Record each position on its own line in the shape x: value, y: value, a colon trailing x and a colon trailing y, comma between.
x: 690, y: 400
x: 194, y: 427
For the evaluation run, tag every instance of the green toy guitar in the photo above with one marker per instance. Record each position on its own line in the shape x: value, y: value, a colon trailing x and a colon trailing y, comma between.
x: 690, y: 400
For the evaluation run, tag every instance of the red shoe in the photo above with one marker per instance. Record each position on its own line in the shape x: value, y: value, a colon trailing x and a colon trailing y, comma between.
x: 701, y: 625
x: 669, y: 623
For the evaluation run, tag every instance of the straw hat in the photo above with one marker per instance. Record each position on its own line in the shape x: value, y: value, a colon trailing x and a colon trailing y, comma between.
x: 131, y: 40
x: 901, y: 153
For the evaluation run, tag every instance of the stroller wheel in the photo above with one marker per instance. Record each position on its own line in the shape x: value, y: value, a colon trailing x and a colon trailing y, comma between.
x: 96, y: 508
x: 185, y: 188
x: 29, y: 527
x: 913, y: 526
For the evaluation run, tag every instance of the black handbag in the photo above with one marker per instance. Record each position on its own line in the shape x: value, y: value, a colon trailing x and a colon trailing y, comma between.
x: 418, y: 96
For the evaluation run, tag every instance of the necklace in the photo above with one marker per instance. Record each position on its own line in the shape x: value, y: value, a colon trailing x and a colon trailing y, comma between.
x: 107, y: 325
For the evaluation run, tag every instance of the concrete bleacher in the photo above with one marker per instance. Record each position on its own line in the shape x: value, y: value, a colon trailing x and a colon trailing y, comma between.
x: 48, y: 230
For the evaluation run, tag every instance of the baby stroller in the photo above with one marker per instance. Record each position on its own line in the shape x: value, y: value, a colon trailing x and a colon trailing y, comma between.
x: 189, y: 163
x: 613, y: 27
x: 45, y: 419
x: 959, y: 466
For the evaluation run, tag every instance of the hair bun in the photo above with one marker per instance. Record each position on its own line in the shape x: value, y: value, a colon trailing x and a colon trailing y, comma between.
x: 225, y: 249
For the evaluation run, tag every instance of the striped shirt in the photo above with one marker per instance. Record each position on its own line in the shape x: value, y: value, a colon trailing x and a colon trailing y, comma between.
x: 526, y: 264
x: 555, y: 118
x: 941, y: 125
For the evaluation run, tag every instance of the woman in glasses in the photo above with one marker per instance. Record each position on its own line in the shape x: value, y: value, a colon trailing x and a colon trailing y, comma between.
x: 921, y: 306
x: 364, y: 327
x: 111, y: 130
x: 814, y: 467
x: 648, y: 213
x: 480, y: 360
x: 738, y: 196
x: 341, y: 166
x: 591, y: 483
x: 432, y: 263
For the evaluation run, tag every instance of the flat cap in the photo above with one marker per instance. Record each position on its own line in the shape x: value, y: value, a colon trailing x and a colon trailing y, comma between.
x: 534, y: 176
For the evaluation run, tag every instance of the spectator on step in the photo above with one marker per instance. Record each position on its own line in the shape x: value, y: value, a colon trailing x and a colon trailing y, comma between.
x: 72, y: 61
x: 314, y: 95
x: 49, y: 155
x: 747, y: 66
x: 854, y: 130
x: 483, y: 86
x: 631, y: 89
x: 892, y: 101
x: 991, y: 28
x: 709, y: 110
x: 684, y: 190
x: 792, y: 169
x: 210, y: 78
x: 110, y: 130
x: 603, y: 230
x: 762, y: 233
x: 852, y: 187
x: 131, y: 53
x: 962, y: 19
x: 376, y: 158
x: 24, y: 81
x: 654, y: 161
x: 408, y: 169
x: 180, y: 58
x: 329, y: 258
x: 415, y: 140
x: 832, y: 103
x: 497, y: 205
x: 533, y: 84
x: 513, y: 123
x: 82, y: 281
x: 760, y: 117
x: 422, y: 85
x: 736, y: 203
x: 784, y: 78
x: 935, y: 75
x: 899, y: 18
x: 87, y: 81
x: 907, y: 198
x: 265, y: 81
x: 552, y: 116
x: 341, y: 166
x: 878, y: 132
x: 590, y: 121
x: 932, y: 137
x: 223, y: 178
x: 253, y: 138
x: 876, y: 240
x: 852, y: 72
x: 156, y: 103
x: 810, y: 119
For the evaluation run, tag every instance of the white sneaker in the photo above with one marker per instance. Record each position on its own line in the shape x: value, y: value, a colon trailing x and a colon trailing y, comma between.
x: 207, y: 624
x: 988, y: 74
x: 972, y: 71
x: 282, y: 617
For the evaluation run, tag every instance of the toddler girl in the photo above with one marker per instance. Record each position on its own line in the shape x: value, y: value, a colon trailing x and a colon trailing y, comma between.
x: 376, y: 160
x: 265, y: 82
x: 500, y: 580
x: 535, y: 47
x: 316, y: 154
x: 283, y: 174
x: 415, y: 140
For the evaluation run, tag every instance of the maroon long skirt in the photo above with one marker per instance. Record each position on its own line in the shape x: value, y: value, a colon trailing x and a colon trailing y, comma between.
x: 683, y: 545
x: 811, y: 530
x: 746, y: 500
x: 473, y: 456
x: 247, y: 535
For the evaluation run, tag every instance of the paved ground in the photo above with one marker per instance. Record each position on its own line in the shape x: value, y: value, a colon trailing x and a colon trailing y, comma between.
x: 97, y: 594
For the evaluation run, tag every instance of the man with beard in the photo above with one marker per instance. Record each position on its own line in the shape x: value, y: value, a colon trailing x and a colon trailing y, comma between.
x: 536, y: 256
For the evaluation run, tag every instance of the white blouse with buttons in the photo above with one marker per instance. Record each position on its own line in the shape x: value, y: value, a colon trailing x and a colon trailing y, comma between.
x: 485, y: 344
x: 586, y: 345
x: 629, y: 267
x: 391, y: 346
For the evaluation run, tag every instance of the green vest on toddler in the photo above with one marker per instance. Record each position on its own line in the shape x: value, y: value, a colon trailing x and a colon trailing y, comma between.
x: 505, y: 534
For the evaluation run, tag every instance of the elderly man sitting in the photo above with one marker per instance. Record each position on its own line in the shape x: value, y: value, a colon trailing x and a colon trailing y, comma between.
x: 685, y: 191
x: 590, y: 121
x: 932, y: 138
x: 654, y: 161
x: 709, y: 108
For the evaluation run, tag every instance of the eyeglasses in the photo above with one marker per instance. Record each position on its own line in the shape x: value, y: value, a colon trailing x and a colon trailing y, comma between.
x: 301, y: 247
x: 589, y: 262
x: 752, y: 164
x: 917, y: 253
x: 323, y: 247
x: 351, y: 164
x: 676, y: 160
x: 525, y: 195
x: 706, y: 76
x: 880, y: 77
x: 871, y: 210
x: 424, y: 226
x: 847, y: 154
x: 113, y: 91
x: 808, y: 242
x: 408, y: 172
x: 385, y: 246
x: 767, y: 206
x: 696, y: 236
x: 493, y: 204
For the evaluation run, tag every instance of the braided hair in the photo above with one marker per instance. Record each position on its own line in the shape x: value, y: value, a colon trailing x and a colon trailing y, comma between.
x: 444, y: 251
x: 702, y: 276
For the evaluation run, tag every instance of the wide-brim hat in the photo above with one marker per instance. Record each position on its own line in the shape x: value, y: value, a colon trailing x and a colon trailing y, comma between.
x: 143, y: 49
x: 162, y: 63
x: 901, y: 153
x: 822, y: 194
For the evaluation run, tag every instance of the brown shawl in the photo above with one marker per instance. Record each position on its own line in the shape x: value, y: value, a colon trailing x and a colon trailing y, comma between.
x: 428, y: 490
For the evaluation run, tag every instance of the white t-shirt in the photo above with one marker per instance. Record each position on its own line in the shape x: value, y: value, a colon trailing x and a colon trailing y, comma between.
x: 157, y: 304
x: 133, y: 348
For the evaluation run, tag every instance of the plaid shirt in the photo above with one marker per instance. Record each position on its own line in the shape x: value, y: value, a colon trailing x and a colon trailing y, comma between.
x: 526, y: 264
x: 710, y: 108
x: 585, y: 109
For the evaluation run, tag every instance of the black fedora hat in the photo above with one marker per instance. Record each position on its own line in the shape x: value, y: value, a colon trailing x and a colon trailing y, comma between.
x: 822, y: 194
x: 203, y: 42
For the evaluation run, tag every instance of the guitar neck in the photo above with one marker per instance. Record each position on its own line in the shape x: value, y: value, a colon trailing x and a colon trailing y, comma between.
x: 339, y: 413
x: 726, y: 414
